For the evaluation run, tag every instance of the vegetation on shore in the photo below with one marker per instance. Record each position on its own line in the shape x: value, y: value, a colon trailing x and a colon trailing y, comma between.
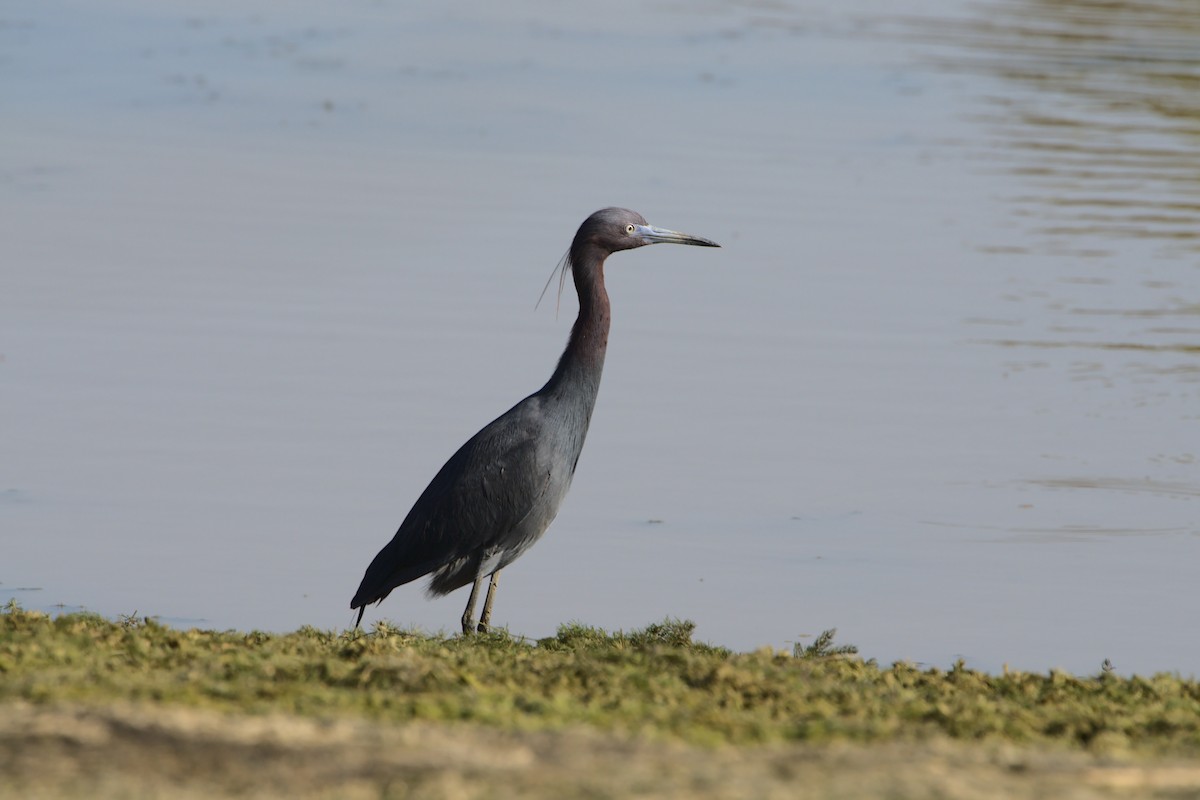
x: 654, y: 683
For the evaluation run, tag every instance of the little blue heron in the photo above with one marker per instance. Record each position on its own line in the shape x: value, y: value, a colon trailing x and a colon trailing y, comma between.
x: 497, y: 495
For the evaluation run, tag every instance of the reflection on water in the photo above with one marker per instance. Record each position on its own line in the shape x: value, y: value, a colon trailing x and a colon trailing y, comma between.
x: 1089, y: 113
x: 1124, y: 485
x: 1095, y: 108
x: 1108, y: 138
x: 1183, y: 348
x: 1082, y: 534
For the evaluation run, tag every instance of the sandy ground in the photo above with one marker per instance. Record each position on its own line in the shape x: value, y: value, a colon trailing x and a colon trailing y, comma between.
x: 136, y: 752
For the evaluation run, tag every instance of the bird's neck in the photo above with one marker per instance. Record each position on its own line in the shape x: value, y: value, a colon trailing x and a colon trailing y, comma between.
x: 582, y: 362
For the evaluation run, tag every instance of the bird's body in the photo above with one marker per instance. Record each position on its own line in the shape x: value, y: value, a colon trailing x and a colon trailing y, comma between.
x: 497, y: 495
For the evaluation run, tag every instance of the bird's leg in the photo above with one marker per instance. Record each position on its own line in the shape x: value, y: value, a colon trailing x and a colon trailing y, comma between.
x: 468, y: 617
x: 485, y: 619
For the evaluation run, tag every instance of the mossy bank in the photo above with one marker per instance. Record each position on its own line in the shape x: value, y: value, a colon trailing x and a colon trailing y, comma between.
x: 650, y: 691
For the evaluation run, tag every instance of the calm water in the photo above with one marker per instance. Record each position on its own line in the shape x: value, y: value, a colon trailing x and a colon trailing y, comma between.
x: 264, y: 267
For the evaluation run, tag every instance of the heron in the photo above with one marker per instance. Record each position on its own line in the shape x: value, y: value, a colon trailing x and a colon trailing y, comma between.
x: 496, y: 496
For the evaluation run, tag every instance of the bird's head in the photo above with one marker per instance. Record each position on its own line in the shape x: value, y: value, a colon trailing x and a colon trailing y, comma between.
x: 613, y: 229
x: 604, y: 233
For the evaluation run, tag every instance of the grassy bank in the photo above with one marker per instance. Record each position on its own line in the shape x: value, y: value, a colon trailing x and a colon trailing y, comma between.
x: 653, y: 688
x: 656, y: 682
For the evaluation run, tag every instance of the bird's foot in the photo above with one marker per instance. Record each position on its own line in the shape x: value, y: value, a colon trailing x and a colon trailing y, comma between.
x: 485, y: 619
x: 468, y: 617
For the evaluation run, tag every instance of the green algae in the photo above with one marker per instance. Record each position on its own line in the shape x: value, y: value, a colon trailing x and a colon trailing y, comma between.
x: 655, y: 682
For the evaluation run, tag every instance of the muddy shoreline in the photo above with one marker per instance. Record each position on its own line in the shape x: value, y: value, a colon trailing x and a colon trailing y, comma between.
x: 149, y: 751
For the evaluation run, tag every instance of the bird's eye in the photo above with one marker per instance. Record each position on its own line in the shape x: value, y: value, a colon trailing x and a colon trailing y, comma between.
x: 629, y: 228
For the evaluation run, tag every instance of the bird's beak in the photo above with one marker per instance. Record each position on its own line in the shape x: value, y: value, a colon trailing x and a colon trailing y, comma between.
x: 653, y: 235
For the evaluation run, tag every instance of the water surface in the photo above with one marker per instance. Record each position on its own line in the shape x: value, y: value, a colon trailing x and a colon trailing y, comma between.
x: 264, y: 269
